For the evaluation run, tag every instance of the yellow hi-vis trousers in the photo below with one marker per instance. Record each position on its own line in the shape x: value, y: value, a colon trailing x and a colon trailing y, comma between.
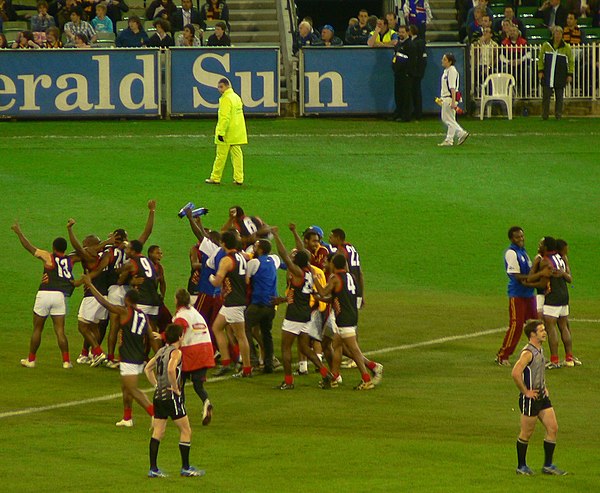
x: 237, y: 159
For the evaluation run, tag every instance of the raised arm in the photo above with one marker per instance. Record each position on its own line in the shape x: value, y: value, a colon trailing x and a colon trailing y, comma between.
x: 24, y: 241
x: 297, y: 239
x: 196, y: 225
x: 119, y: 310
x: 230, y: 220
x: 149, y: 222
x: 82, y: 252
x: 292, y: 267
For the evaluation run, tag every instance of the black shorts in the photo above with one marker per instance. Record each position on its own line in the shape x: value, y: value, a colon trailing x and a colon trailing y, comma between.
x: 172, y: 408
x: 532, y: 407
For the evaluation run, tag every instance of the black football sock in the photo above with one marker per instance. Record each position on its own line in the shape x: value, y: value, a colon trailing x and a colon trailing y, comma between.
x: 184, y: 450
x: 548, y: 452
x: 154, y: 443
x: 522, y: 452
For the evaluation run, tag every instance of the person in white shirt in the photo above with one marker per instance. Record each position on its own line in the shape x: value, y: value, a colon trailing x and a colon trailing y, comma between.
x: 450, y: 97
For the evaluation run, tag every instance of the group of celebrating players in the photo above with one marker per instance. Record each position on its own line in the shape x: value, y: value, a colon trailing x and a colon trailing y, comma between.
x: 229, y: 304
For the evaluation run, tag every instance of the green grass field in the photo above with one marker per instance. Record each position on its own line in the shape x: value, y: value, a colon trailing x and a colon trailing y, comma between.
x: 430, y: 224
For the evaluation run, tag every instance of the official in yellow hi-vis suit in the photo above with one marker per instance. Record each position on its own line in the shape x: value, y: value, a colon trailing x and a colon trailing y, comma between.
x: 230, y: 134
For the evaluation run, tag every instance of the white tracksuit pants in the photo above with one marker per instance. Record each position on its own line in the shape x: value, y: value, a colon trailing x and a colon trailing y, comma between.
x: 449, y: 119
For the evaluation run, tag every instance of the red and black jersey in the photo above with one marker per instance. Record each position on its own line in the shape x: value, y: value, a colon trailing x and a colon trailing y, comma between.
x: 143, y: 267
x: 247, y: 226
x: 298, y: 297
x: 319, y: 258
x: 353, y: 259
x: 194, y: 278
x: 59, y: 275
x: 132, y: 337
x: 99, y: 281
x: 344, y: 300
x: 117, y: 259
x: 234, y: 284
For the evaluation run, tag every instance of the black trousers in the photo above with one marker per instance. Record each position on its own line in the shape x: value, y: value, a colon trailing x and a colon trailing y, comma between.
x: 262, y: 316
x: 417, y: 98
x: 402, y: 95
x: 559, y: 93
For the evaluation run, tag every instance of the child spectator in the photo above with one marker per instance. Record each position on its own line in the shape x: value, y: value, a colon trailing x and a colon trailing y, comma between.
x: 78, y: 26
x: 134, y: 35
x: 81, y: 41
x: 220, y: 37
x: 42, y: 21
x: 3, y: 42
x: 188, y: 37
x: 53, y: 38
x: 162, y: 37
x: 25, y: 42
x: 101, y: 23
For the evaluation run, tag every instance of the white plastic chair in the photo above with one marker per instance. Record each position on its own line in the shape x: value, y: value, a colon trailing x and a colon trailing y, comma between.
x: 497, y: 87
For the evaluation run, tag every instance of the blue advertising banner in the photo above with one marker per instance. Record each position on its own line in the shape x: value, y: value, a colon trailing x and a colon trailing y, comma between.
x: 79, y: 83
x: 193, y: 75
x: 359, y: 80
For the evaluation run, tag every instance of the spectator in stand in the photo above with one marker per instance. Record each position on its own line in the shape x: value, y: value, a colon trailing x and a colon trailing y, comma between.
x: 134, y: 35
x: 572, y: 34
x: 311, y: 23
x: 42, y: 21
x: 509, y: 15
x: 359, y: 33
x: 115, y: 11
x: 553, y: 13
x: 328, y: 37
x: 486, y: 54
x: 188, y: 37
x: 78, y: 26
x: 555, y: 72
x: 25, y: 41
x: 505, y: 29
x: 475, y: 28
x: 161, y: 8
x: 372, y: 22
x: 53, y: 38
x: 514, y: 38
x: 102, y: 23
x: 394, y: 22
x: 215, y: 10
x: 63, y: 14
x: 420, y: 65
x: 162, y: 37
x: 7, y: 11
x: 418, y: 13
x: 304, y: 37
x: 220, y: 37
x: 579, y: 8
x: 3, y: 42
x: 382, y: 36
x: 486, y: 22
x: 187, y: 14
x: 81, y: 41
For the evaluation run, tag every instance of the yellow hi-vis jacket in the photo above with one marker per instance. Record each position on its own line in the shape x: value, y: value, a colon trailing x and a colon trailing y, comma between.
x: 231, y: 124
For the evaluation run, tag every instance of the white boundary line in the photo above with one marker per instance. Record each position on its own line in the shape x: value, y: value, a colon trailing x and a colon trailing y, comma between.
x: 432, y: 342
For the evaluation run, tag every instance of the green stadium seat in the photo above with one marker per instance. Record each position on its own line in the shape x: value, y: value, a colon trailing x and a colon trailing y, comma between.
x: 105, y: 37
x: 585, y: 22
x: 542, y: 34
x: 532, y: 22
x: 592, y: 34
x: 11, y: 35
x: 16, y: 26
x: 149, y: 27
x: 122, y: 25
x: 141, y: 13
x: 497, y: 10
x: 525, y: 12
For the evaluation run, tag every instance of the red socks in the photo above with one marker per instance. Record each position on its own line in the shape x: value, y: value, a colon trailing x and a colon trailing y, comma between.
x: 554, y: 359
x: 225, y: 362
x: 366, y: 377
x: 31, y: 357
x: 247, y: 370
x: 84, y: 351
x: 323, y: 371
x: 288, y: 379
x: 371, y: 365
x: 97, y: 350
x: 127, y: 413
x: 66, y: 358
x: 150, y: 410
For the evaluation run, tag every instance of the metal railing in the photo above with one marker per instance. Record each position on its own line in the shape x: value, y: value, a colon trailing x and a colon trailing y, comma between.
x: 522, y: 63
x: 286, y: 16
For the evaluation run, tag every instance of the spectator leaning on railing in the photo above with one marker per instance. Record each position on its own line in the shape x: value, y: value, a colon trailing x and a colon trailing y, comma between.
x: 382, y: 36
x: 304, y: 37
x: 220, y: 37
x: 328, y: 37
x: 358, y: 34
x: 188, y: 37
x: 555, y: 71
x: 53, y: 38
x: 162, y: 37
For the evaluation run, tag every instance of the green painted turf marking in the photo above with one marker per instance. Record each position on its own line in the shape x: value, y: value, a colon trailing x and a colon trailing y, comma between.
x: 432, y: 342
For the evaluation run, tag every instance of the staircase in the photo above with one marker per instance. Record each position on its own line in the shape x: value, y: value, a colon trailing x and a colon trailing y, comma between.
x: 443, y: 28
x: 253, y: 22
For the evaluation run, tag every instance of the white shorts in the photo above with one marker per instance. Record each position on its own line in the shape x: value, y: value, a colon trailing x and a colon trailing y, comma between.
x: 233, y: 314
x: 91, y: 310
x: 50, y: 303
x: 329, y: 327
x: 345, y: 332
x: 127, y: 369
x: 359, y: 302
x: 315, y: 326
x: 296, y: 328
x: 116, y: 294
x: 556, y: 311
x: 539, y: 301
x: 148, y: 309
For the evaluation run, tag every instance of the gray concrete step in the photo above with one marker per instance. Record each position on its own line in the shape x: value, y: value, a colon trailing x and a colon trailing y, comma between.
x: 250, y: 5
x: 266, y: 37
x: 237, y: 26
x: 252, y: 14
